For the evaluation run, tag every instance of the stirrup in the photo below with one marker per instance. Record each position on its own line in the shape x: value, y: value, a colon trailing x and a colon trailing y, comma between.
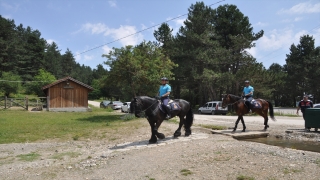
x: 168, y: 117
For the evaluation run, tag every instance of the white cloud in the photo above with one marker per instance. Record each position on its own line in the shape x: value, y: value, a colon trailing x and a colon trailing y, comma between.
x: 87, y: 58
x: 127, y: 35
x: 77, y: 56
x: 50, y: 41
x: 261, y: 24
x: 112, y: 3
x: 276, y: 40
x: 106, y: 49
x: 298, y: 19
x: 94, y: 28
x: 302, y: 8
x: 179, y: 22
x: 252, y: 51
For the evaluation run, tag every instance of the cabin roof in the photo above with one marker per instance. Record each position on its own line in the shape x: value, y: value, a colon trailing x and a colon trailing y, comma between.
x: 66, y: 79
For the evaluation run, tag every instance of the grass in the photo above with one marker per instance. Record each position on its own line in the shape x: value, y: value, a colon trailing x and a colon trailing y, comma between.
x: 185, y: 172
x: 317, y: 161
x: 214, y: 127
x: 242, y: 177
x: 287, y: 170
x: 20, y: 126
x: 61, y: 156
x: 28, y: 157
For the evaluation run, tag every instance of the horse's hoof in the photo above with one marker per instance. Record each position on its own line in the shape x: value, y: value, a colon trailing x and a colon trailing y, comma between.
x: 233, y: 130
x: 177, y: 134
x: 160, y: 136
x: 244, y: 130
x: 188, y: 132
x: 153, y: 140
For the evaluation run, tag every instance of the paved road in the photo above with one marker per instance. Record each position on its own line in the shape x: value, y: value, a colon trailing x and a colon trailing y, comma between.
x: 94, y: 103
x: 281, y: 120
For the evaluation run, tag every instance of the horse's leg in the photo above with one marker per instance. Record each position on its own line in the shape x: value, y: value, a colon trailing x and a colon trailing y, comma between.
x: 264, y: 114
x: 177, y: 133
x: 243, y: 124
x: 159, y: 135
x: 153, y: 138
x: 236, y: 125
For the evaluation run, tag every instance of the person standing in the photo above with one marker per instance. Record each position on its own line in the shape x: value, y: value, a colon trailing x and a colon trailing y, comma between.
x: 164, y: 93
x: 248, y: 93
x: 303, y: 105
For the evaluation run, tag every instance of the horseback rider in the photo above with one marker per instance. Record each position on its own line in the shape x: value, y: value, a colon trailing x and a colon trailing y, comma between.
x: 248, y: 93
x: 164, y: 92
x: 303, y: 105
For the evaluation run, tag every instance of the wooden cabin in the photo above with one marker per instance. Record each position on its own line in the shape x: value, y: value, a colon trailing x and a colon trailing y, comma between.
x: 67, y: 94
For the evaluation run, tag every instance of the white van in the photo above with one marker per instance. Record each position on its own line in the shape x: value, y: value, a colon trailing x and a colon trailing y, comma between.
x: 213, y: 107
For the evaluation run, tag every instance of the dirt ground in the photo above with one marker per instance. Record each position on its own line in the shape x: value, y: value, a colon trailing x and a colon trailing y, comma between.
x: 202, y: 155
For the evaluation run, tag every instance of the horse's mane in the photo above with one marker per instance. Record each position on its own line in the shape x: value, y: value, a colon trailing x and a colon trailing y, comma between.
x: 235, y: 97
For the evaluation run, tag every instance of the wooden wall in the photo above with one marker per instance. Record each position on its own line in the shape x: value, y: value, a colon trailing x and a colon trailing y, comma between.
x: 68, y: 96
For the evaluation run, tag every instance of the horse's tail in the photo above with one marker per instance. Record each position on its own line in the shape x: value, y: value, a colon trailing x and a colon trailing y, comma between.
x: 189, y: 119
x: 271, y: 111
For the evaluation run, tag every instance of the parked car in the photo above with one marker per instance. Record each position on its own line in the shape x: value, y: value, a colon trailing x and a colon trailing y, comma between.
x: 125, y: 107
x: 104, y: 104
x: 316, y: 106
x: 115, y: 105
x: 213, y: 107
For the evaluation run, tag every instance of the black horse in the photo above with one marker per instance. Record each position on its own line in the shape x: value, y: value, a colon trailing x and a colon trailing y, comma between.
x: 241, y: 109
x: 151, y: 109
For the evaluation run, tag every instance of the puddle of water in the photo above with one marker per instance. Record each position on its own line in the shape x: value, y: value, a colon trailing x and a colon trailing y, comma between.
x: 293, y: 144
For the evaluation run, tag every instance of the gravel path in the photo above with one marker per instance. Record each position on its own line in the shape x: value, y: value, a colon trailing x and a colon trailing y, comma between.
x: 202, y: 155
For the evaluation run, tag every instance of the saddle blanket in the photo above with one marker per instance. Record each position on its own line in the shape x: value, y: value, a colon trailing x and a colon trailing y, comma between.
x: 255, y: 104
x: 173, y: 106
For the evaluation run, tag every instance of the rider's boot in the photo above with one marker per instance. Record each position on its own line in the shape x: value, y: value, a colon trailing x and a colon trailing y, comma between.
x: 168, y: 112
x: 247, y: 103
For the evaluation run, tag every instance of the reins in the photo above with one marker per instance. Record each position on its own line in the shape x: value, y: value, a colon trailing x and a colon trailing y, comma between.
x: 148, y: 107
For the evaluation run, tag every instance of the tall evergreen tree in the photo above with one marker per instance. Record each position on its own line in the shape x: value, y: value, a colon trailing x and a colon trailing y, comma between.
x: 68, y: 63
x: 302, y: 63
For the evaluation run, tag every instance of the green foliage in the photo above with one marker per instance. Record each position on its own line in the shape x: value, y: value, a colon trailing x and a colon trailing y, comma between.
x: 29, y: 157
x: 185, y: 172
x: 10, y: 84
x: 41, y: 79
x: 302, y: 66
x: 242, y: 177
x: 137, y: 70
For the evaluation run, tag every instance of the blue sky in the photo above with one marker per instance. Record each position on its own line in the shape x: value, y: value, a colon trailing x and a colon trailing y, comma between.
x: 81, y: 25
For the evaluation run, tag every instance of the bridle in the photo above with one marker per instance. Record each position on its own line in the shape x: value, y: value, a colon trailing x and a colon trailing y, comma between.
x: 139, y: 104
x: 236, y: 101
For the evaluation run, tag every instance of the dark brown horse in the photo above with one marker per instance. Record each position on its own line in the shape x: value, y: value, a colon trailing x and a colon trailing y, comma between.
x: 150, y: 108
x: 241, y: 109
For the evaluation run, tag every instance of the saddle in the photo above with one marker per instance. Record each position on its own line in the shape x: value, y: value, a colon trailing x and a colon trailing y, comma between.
x: 255, y: 104
x: 173, y: 106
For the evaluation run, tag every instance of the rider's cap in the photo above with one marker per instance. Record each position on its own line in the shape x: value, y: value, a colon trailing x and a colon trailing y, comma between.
x: 306, y: 96
x: 247, y: 81
x: 164, y: 78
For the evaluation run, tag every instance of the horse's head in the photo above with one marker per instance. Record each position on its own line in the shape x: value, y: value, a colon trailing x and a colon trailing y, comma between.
x: 136, y: 106
x: 225, y: 100
x: 140, y: 104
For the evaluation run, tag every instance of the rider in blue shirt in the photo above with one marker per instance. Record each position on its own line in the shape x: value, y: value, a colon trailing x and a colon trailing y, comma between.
x: 248, y: 93
x: 164, y: 92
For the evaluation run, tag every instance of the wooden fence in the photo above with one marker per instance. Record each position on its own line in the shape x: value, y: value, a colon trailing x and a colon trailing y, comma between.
x: 37, y: 103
